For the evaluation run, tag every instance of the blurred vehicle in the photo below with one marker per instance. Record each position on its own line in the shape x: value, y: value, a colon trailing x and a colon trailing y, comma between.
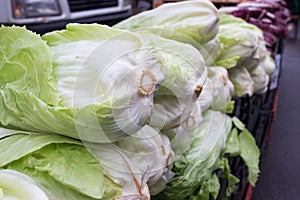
x: 46, y: 15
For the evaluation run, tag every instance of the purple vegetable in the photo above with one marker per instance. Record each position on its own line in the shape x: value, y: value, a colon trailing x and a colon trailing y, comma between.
x: 270, y: 38
x: 266, y: 21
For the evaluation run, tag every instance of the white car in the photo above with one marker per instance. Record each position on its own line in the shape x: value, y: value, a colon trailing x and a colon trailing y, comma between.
x: 46, y: 15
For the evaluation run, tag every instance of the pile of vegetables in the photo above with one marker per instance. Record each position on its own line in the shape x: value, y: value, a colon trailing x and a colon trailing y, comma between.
x: 139, y: 110
x: 271, y: 16
x: 242, y: 50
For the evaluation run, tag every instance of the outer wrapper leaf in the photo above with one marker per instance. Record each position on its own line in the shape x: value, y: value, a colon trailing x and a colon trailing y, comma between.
x: 140, y: 161
x: 260, y: 80
x: 210, y: 187
x: 201, y: 159
x: 269, y: 65
x: 61, y: 166
x: 210, y: 51
x: 205, y: 99
x: 244, y: 144
x: 19, y: 67
x: 250, y: 154
x: 222, y: 90
x: 166, y: 21
x: 226, y: 174
x: 181, y: 136
x: 242, y: 81
x: 18, y: 186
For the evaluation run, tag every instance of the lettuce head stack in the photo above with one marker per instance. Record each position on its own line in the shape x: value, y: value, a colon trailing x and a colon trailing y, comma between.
x: 218, y: 137
x: 78, y: 86
x: 242, y: 46
x: 193, y: 22
x: 133, y: 111
x: 65, y: 168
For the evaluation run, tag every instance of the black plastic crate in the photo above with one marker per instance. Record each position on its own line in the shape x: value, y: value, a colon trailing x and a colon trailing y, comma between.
x: 234, y: 163
x: 254, y: 112
x: 241, y: 108
x: 223, y: 185
x: 270, y: 99
x: 261, y: 126
x: 243, y: 184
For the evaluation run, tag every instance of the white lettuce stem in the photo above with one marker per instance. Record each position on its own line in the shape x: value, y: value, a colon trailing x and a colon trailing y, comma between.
x: 190, y: 122
x: 147, y: 83
x: 198, y: 90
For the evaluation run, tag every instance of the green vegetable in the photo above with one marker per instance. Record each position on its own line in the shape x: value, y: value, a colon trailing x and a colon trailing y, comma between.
x: 250, y: 154
x: 242, y: 81
x: 244, y: 144
x: 61, y: 166
x: 226, y: 174
x: 238, y: 123
x: 80, y: 87
x: 210, y: 187
x: 222, y: 88
x: 241, y: 44
x: 198, y: 162
x: 185, y: 76
x: 140, y: 161
x: 245, y: 48
x: 238, y: 47
x: 229, y: 19
x: 205, y: 99
x: 65, y: 167
x: 181, y: 136
x: 82, y: 120
x: 233, y: 145
x: 269, y: 65
x: 210, y: 51
x: 260, y: 80
x: 194, y: 22
x: 217, y: 91
x: 18, y: 186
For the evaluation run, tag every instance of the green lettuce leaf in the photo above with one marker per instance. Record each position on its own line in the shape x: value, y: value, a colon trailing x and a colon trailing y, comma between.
x: 68, y: 164
x: 209, y: 187
x: 228, y: 18
x: 13, y: 148
x: 18, y: 186
x: 62, y: 161
x: 269, y: 65
x: 238, y: 123
x: 201, y: 158
x: 226, y: 174
x: 250, y: 154
x: 242, y: 81
x: 241, y: 142
x: 26, y: 64
x: 78, y: 32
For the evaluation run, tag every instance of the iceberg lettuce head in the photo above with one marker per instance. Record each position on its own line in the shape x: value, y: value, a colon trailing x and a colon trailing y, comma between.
x: 72, y: 82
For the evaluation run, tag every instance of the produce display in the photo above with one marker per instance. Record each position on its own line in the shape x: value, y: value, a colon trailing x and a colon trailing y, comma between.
x: 140, y: 110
